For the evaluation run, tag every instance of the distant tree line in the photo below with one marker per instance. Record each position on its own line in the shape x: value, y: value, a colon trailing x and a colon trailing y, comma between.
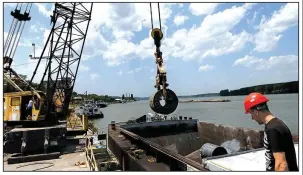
x: 275, y: 88
x: 95, y: 97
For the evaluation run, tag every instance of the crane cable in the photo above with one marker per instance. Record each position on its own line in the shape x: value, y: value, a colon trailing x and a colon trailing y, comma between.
x: 10, y: 29
x: 14, y: 52
x: 157, y: 36
x: 14, y: 36
x: 151, y: 16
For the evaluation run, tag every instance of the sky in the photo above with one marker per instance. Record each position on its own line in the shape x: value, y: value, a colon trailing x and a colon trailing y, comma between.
x: 207, y: 47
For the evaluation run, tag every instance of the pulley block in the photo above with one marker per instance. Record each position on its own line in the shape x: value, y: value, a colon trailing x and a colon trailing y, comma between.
x: 157, y: 36
x: 171, y: 102
x: 156, y: 33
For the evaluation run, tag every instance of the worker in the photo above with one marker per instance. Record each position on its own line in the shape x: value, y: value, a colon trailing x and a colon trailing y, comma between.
x: 29, y: 108
x: 280, y: 152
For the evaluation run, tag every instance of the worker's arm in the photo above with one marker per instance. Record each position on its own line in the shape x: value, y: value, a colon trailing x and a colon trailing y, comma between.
x: 275, y: 139
x: 280, y: 161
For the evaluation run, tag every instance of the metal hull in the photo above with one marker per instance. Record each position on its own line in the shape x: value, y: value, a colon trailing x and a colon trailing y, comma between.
x: 174, y: 145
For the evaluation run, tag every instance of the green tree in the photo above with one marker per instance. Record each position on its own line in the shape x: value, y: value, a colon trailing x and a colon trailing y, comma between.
x: 75, y: 93
x: 24, y: 77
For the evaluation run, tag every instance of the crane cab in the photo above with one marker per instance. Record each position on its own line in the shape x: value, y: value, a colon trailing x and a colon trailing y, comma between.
x: 16, y: 103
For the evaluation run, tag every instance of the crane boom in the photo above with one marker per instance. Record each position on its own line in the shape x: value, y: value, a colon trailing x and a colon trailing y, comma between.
x: 65, y: 41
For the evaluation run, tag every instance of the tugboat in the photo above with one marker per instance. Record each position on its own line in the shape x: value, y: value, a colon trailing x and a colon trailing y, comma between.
x: 90, y: 109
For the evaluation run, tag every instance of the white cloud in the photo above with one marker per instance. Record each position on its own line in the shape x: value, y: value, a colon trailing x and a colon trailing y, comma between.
x: 233, y: 44
x: 119, y: 52
x: 202, y: 8
x: 278, y: 62
x: 36, y: 28
x: 138, y: 69
x: 120, y: 73
x: 122, y: 20
x: 125, y: 18
x: 42, y: 9
x: 25, y: 42
x: 130, y: 72
x: 179, y: 19
x: 94, y: 76
x: 248, y: 61
x: 33, y: 28
x: 83, y: 68
x: 270, y: 31
x: 253, y: 19
x: 206, y: 68
x: 211, y: 38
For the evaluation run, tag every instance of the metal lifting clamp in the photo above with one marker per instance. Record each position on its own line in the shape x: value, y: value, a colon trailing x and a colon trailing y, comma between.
x: 171, y: 99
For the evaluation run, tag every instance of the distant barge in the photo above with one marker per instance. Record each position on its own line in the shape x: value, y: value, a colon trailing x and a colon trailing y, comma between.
x: 186, y: 145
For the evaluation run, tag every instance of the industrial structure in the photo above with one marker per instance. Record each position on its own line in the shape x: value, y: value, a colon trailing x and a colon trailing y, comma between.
x: 43, y: 111
x: 44, y: 115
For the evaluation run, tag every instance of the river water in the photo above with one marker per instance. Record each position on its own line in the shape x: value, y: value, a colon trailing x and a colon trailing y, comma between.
x: 283, y: 106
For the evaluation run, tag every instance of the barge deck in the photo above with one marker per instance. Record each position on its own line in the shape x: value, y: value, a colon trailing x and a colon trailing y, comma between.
x: 180, y: 145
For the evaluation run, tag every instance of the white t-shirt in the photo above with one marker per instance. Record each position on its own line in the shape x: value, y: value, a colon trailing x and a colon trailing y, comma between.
x: 30, y: 103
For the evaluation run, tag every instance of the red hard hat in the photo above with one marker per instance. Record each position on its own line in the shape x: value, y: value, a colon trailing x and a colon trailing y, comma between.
x: 253, y: 99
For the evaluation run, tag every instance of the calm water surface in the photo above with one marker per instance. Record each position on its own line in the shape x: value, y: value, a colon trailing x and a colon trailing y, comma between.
x: 284, y: 106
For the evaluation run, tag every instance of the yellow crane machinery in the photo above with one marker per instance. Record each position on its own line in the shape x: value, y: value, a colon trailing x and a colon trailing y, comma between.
x: 15, y: 106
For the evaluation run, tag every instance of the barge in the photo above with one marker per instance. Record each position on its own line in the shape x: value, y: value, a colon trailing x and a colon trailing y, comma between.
x: 186, y: 145
x: 199, y: 101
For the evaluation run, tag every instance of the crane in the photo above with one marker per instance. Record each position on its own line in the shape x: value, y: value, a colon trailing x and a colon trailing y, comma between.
x: 70, y: 22
x: 60, y: 77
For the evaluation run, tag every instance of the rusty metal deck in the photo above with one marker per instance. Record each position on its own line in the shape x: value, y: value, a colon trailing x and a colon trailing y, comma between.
x: 174, y: 145
x: 123, y: 143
